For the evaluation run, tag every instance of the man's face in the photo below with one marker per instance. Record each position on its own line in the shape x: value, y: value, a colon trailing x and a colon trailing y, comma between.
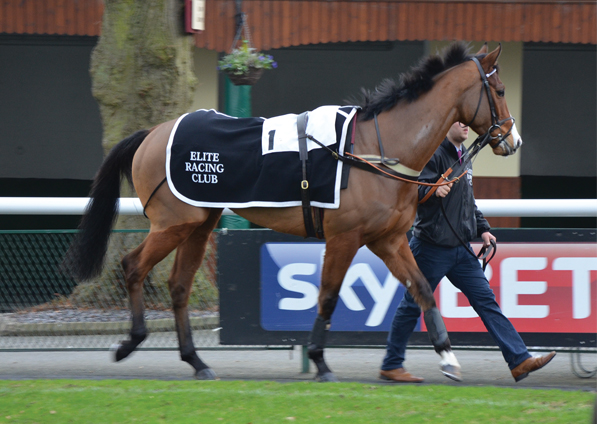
x: 458, y: 133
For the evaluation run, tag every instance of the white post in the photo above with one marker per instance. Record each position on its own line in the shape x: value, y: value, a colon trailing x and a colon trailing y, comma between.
x: 132, y: 206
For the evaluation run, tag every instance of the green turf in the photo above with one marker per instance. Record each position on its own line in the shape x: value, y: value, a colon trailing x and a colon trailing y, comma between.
x: 242, y: 402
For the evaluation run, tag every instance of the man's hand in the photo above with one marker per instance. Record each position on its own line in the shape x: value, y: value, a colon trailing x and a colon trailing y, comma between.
x: 442, y: 191
x: 487, y: 237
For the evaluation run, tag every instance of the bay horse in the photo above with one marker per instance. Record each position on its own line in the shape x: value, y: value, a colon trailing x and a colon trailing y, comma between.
x: 411, y: 116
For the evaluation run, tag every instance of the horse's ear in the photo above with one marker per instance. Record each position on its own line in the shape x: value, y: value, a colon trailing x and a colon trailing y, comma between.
x: 489, y: 61
x: 483, y: 50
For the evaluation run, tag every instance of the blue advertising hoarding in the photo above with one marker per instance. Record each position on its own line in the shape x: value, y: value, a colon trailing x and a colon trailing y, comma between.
x: 289, y: 287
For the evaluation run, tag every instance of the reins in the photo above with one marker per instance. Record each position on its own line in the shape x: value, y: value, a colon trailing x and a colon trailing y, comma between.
x: 475, y: 148
x: 361, y: 163
x: 398, y: 177
x: 468, y: 156
x: 483, y: 253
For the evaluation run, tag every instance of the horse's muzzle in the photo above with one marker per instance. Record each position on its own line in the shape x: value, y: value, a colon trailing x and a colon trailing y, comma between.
x: 506, y: 147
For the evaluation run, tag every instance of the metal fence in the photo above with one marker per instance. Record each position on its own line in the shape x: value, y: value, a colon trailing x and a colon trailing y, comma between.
x: 41, y: 307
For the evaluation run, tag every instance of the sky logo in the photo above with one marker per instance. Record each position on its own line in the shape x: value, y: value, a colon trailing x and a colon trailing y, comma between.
x: 290, y: 278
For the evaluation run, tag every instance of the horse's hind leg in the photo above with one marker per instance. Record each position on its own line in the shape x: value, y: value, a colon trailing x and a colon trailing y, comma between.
x: 189, y: 257
x: 396, y: 254
x: 339, y: 252
x: 136, y: 266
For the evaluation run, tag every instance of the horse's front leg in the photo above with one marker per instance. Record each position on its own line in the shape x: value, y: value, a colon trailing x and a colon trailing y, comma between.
x: 396, y: 254
x: 340, y: 251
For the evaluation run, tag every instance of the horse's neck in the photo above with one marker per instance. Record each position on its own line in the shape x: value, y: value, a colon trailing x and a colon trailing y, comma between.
x: 413, y: 131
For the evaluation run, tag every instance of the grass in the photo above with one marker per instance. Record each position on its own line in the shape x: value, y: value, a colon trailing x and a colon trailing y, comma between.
x: 257, y: 402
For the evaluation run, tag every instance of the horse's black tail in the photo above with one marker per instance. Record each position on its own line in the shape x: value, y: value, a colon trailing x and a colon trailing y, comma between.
x: 85, y: 257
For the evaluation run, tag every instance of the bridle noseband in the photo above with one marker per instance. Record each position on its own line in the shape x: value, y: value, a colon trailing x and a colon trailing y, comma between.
x: 495, y: 122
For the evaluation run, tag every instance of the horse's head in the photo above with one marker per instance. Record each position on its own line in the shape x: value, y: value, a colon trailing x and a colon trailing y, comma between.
x: 488, y: 114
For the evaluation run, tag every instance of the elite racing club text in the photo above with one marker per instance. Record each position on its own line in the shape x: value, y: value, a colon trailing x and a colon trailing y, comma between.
x: 206, y: 166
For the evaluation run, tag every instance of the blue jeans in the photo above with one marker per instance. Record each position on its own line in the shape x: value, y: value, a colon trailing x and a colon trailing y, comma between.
x: 466, y: 274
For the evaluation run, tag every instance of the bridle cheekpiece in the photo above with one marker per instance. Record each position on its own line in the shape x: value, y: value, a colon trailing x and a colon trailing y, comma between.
x: 487, y: 138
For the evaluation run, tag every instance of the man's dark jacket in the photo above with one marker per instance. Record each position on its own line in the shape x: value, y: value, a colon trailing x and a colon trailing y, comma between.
x: 430, y: 224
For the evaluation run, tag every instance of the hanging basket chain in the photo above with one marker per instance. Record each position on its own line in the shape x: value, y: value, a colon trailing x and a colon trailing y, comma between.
x: 242, y: 26
x: 243, y: 64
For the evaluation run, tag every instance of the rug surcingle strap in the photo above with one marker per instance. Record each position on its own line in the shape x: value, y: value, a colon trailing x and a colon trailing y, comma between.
x: 313, y: 230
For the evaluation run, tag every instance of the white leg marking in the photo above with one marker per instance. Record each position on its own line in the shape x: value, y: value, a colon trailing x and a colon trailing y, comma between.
x: 448, y: 358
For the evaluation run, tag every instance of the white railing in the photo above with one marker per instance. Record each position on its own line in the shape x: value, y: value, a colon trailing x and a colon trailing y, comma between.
x: 132, y: 206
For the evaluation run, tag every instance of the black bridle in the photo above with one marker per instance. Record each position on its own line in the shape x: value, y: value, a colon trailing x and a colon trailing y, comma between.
x: 496, y: 123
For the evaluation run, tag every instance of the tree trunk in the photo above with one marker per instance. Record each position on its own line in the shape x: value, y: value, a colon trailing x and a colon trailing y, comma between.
x: 142, y: 74
x: 142, y: 66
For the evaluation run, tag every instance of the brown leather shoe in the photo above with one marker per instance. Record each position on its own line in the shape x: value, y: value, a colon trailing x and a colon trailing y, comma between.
x: 530, y: 365
x: 399, y: 375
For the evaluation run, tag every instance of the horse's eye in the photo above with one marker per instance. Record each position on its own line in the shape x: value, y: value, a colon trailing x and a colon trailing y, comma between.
x: 500, y: 93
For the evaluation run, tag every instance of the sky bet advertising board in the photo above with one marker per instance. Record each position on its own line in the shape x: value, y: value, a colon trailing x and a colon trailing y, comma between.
x: 541, y: 288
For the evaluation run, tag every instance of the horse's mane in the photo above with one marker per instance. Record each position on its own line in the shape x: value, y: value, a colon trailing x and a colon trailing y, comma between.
x: 412, y: 84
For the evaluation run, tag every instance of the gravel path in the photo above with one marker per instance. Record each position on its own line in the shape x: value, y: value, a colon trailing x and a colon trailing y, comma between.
x: 91, y: 315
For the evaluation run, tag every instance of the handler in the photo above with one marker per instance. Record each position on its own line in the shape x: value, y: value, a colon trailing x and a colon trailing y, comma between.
x: 439, y: 253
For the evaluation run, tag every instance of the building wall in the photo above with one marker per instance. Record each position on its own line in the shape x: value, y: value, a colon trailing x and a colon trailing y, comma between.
x: 283, y: 23
x: 206, y: 91
x: 560, y: 92
x: 329, y: 74
x: 50, y: 122
x: 559, y: 158
x: 50, y: 138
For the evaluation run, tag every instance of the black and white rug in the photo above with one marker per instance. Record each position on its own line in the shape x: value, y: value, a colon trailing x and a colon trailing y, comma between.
x: 216, y: 160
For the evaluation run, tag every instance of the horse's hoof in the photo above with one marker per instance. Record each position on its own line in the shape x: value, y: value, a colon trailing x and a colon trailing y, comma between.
x: 114, y: 349
x: 449, y: 365
x: 327, y: 377
x: 451, y: 371
x: 206, y: 374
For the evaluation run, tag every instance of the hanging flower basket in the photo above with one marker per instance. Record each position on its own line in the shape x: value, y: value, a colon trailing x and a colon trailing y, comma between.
x: 249, y: 78
x: 245, y: 65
